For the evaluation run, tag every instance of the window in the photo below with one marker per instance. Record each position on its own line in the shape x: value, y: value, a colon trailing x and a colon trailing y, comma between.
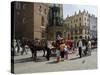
x: 71, y: 21
x: 42, y: 21
x: 80, y: 31
x: 24, y: 6
x: 71, y: 26
x: 76, y: 31
x: 18, y: 5
x: 71, y: 32
x: 85, y: 37
x: 75, y: 25
x: 68, y: 24
x: 80, y: 24
x: 64, y: 34
x: 85, y: 24
x: 85, y: 18
x: 45, y: 11
x: 76, y: 20
x: 23, y: 20
x: 80, y: 19
x: 85, y: 32
x: 43, y: 34
x: 40, y: 8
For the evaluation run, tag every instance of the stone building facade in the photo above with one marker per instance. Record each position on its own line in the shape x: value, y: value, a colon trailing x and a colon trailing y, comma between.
x: 93, y: 27
x: 29, y: 19
x: 77, y: 25
x: 22, y: 21
x: 45, y: 21
x: 40, y: 20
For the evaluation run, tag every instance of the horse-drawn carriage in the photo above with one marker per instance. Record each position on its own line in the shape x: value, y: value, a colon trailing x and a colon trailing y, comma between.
x: 34, y: 46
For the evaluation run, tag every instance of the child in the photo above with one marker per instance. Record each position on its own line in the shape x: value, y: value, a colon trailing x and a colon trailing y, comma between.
x: 58, y: 54
x: 62, y: 45
x: 66, y: 52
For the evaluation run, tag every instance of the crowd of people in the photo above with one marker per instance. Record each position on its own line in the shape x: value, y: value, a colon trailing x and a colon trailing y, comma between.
x: 61, y: 47
x: 18, y: 46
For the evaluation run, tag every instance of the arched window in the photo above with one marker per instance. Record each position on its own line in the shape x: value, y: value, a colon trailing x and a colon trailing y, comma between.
x: 40, y: 8
x: 42, y: 21
x: 80, y: 19
x: 43, y: 34
x: 45, y: 11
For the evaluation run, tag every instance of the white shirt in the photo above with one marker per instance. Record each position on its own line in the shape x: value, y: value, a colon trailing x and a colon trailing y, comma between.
x: 65, y: 49
x: 89, y: 44
x: 80, y: 44
x: 50, y: 45
x: 58, y: 37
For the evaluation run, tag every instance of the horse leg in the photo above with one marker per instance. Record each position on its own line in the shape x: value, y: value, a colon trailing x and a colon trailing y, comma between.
x: 22, y: 50
x: 35, y: 55
x: 32, y: 56
x: 26, y: 51
x: 32, y: 53
x: 18, y: 49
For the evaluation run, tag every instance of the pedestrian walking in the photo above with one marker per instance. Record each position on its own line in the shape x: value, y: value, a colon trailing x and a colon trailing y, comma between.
x: 89, y: 47
x: 85, y: 46
x: 48, y: 53
x: 14, y: 46
x: 80, y: 45
x: 24, y: 42
x: 18, y: 45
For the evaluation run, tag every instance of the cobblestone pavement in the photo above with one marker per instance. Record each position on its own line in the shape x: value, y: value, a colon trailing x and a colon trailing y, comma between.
x: 24, y: 64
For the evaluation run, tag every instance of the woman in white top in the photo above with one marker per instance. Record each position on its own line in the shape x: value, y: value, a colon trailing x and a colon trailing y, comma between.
x: 80, y: 45
x: 89, y: 47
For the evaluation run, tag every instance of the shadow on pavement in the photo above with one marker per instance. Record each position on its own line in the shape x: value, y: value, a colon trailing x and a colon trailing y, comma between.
x: 41, y: 59
x: 23, y: 60
x: 75, y: 58
x: 30, y: 59
x: 52, y: 62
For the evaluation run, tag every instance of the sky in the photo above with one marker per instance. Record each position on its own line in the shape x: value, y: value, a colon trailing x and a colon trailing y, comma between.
x: 69, y: 9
